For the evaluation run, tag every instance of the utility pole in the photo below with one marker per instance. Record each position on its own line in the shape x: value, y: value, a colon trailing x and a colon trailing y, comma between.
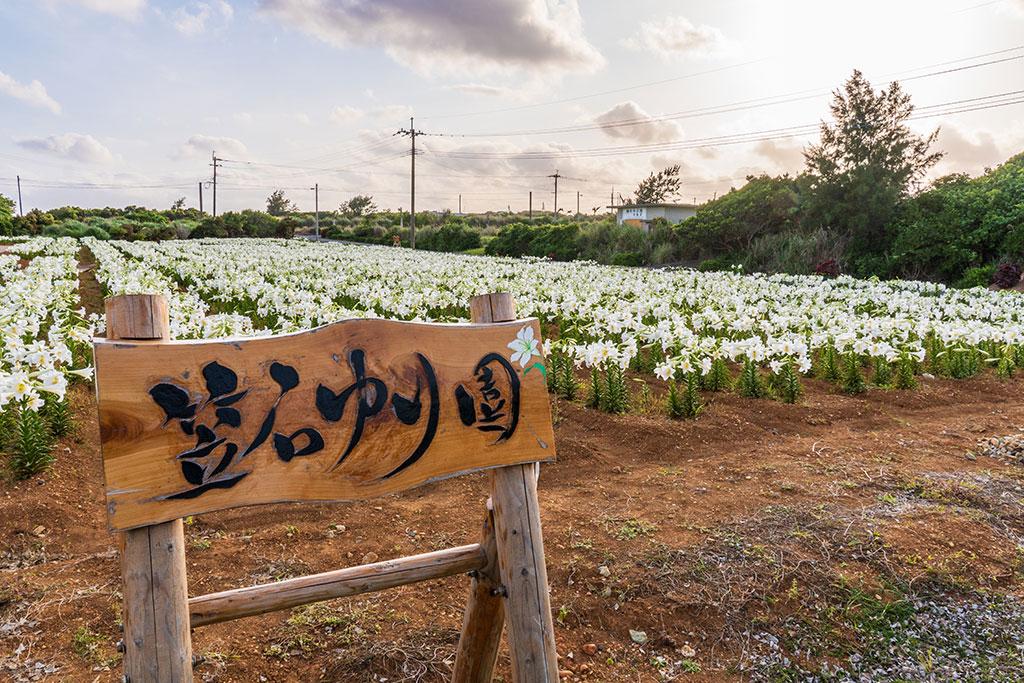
x: 556, y: 176
x: 460, y: 204
x: 215, y: 164
x: 316, y: 209
x: 611, y: 199
x: 578, y: 195
x: 531, y: 204
x: 21, y: 209
x: 200, y: 196
x: 412, y: 133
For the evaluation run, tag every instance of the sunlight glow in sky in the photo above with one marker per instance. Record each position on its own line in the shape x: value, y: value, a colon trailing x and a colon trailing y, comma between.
x: 116, y: 102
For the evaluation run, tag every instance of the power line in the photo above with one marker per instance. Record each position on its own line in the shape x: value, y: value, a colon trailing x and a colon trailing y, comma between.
x: 597, y: 94
x: 941, y: 109
x: 671, y: 80
x: 742, y: 105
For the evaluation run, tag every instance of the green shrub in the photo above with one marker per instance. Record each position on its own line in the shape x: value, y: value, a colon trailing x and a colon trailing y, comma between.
x: 716, y: 264
x: 559, y: 241
x: 979, y: 276
x: 452, y: 236
x: 96, y: 232
x: 627, y: 258
x: 792, y: 252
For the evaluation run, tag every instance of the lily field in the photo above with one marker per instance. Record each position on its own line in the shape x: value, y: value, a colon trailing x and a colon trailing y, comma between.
x: 766, y: 478
x: 678, y: 325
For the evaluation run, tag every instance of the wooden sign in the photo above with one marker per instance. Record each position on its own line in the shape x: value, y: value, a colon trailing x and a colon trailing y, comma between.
x: 349, y: 411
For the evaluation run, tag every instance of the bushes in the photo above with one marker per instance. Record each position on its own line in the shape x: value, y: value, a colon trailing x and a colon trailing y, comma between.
x: 793, y: 252
x: 627, y: 258
x: 454, y: 235
x: 601, y: 241
x: 512, y: 240
x: 6, y: 215
x: 555, y: 241
x: 961, y: 224
x: 246, y: 223
x: 733, y: 222
x: 976, y: 277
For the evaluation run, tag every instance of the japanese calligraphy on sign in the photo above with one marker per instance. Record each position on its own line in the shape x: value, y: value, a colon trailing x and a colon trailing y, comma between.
x: 344, y: 412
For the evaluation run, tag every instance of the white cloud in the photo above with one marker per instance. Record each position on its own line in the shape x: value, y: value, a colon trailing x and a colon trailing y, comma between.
x: 788, y: 156
x: 672, y: 38
x: 450, y: 36
x: 72, y: 146
x: 346, y: 114
x: 126, y: 9
x: 391, y: 113
x: 302, y: 117
x: 34, y: 93
x: 243, y: 117
x: 203, y: 145
x: 484, y: 89
x: 192, y: 19
x: 628, y: 121
x: 969, y: 152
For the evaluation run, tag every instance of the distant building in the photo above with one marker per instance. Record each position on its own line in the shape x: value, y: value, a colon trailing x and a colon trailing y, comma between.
x: 641, y: 215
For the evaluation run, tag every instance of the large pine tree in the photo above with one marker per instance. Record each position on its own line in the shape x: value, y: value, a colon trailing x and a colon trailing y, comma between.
x: 867, y: 161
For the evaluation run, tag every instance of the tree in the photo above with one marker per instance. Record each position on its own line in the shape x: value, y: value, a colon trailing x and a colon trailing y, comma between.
x: 360, y: 205
x: 178, y: 205
x: 730, y: 224
x: 961, y: 223
x: 865, y: 165
x: 278, y: 204
x: 6, y: 215
x: 658, y: 187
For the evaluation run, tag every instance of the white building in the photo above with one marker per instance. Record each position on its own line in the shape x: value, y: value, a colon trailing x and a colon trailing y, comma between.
x: 641, y: 215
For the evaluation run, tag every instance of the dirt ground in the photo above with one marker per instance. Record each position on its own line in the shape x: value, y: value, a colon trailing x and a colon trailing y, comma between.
x: 692, y: 535
x: 760, y: 541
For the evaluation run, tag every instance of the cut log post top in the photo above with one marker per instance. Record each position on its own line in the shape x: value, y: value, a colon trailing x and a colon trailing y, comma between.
x: 137, y: 317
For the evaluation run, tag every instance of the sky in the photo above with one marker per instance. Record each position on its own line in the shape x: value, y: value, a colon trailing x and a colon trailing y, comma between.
x: 117, y: 102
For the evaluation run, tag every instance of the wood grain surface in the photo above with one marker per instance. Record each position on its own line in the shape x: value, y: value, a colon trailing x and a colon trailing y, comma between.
x: 349, y: 411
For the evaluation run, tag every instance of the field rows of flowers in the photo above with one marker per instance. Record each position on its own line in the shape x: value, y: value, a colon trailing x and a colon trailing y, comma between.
x: 45, y: 344
x: 680, y: 325
x: 757, y: 335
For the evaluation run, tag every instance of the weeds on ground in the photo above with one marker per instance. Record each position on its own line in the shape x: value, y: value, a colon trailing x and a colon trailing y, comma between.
x: 94, y: 648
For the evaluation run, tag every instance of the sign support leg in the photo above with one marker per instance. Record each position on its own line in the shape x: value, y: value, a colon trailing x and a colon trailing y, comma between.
x: 157, y: 640
x: 520, y: 546
x: 484, y: 618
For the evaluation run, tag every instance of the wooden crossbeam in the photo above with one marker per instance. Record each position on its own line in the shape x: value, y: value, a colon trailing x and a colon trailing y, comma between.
x: 341, y: 583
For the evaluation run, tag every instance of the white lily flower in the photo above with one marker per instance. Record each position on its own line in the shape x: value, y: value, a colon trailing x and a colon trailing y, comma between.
x: 524, y: 346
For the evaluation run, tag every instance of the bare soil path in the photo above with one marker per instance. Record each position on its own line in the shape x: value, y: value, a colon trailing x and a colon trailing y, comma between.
x: 628, y: 508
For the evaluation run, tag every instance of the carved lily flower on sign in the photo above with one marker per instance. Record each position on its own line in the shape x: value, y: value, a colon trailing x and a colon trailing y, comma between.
x: 526, y: 346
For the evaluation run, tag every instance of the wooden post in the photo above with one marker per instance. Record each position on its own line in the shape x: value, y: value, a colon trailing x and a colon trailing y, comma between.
x: 484, y: 618
x: 520, y: 546
x: 157, y: 642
